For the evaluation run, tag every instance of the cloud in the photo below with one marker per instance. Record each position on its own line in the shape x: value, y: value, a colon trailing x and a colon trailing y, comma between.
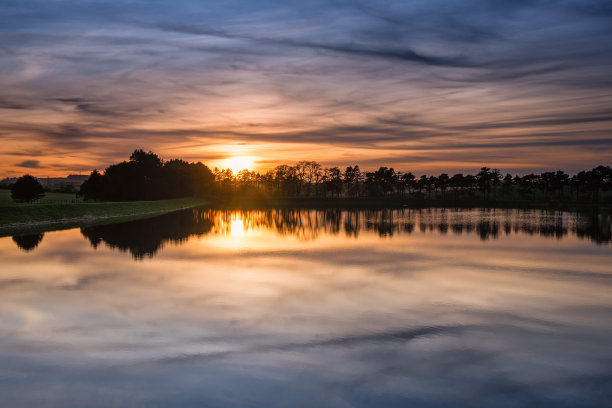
x: 30, y: 164
x: 12, y: 105
x: 403, y: 54
x: 439, y: 81
x: 71, y: 100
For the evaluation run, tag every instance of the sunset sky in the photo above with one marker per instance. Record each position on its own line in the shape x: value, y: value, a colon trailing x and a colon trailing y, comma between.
x: 423, y: 86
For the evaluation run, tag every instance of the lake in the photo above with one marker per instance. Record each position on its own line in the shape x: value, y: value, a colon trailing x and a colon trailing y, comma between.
x: 284, y: 308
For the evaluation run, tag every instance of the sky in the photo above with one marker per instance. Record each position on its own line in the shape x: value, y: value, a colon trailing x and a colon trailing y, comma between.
x: 427, y: 86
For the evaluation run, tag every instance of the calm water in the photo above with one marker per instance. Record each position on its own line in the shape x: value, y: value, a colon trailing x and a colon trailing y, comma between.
x: 203, y: 308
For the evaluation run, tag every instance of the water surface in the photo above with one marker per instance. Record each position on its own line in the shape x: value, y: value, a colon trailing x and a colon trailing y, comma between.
x: 311, y: 308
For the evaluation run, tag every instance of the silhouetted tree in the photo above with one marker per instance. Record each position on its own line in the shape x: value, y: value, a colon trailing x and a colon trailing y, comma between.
x: 146, y: 177
x: 313, y: 172
x: 527, y: 185
x: 352, y: 180
x: 381, y: 182
x: 507, y: 184
x: 470, y: 184
x: 597, y: 180
x: 224, y: 179
x: 286, y: 179
x: 333, y: 181
x: 27, y: 189
x: 457, y: 182
x: 422, y: 183
x: 94, y: 187
x: 551, y: 183
x: 442, y: 183
x: 408, y: 182
x: 487, y: 180
x: 432, y: 183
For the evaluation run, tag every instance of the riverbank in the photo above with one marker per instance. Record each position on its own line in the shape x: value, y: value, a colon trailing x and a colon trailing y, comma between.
x: 17, y: 219
x: 33, y: 218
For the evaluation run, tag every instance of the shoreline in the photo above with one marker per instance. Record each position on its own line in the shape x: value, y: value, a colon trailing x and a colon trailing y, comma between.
x: 373, y: 203
x: 36, y: 218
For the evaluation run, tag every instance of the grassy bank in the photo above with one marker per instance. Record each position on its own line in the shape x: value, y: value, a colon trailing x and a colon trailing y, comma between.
x: 37, y: 217
x: 51, y: 197
x: 60, y: 212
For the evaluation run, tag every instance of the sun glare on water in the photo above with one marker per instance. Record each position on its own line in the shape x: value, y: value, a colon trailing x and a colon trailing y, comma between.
x: 237, y: 229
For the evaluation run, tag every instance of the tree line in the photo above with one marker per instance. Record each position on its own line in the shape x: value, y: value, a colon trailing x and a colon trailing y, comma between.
x: 145, y: 176
x: 310, y: 179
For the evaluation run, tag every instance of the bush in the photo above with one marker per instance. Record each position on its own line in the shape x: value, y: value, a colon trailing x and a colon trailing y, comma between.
x: 27, y: 189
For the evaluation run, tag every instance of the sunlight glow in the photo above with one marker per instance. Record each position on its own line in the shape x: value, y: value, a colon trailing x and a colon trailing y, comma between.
x: 237, y: 228
x: 239, y: 163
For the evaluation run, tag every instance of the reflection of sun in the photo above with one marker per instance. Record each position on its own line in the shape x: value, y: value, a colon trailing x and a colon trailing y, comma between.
x: 237, y: 228
x: 239, y: 163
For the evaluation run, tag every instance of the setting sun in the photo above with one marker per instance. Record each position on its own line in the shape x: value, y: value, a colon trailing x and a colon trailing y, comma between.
x: 239, y: 163
x: 317, y: 203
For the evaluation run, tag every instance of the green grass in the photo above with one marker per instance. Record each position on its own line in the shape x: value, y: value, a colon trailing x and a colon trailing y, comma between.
x: 21, y: 218
x: 49, y: 198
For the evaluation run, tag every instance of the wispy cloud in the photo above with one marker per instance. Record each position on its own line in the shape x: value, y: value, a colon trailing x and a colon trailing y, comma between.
x: 317, y: 79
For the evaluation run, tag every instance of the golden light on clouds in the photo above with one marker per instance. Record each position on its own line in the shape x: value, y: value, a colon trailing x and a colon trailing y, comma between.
x: 254, y: 101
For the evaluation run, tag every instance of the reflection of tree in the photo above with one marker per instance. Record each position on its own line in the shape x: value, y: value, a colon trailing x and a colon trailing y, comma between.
x: 487, y: 224
x: 487, y: 229
x: 303, y: 224
x: 28, y: 242
x: 596, y: 226
x: 145, y: 237
x: 383, y: 222
x: 351, y: 223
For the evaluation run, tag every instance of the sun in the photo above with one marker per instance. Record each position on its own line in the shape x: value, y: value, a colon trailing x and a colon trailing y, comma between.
x: 239, y: 163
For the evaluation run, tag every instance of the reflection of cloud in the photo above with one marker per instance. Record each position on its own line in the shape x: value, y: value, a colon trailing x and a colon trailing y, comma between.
x: 85, y: 282
x: 312, y: 321
x: 350, y: 340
